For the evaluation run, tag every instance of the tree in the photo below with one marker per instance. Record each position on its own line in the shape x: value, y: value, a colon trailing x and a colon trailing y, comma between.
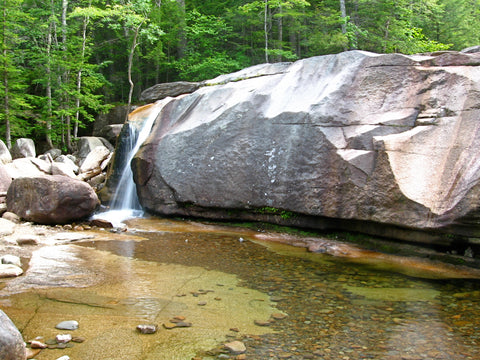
x: 268, y: 9
x: 12, y: 88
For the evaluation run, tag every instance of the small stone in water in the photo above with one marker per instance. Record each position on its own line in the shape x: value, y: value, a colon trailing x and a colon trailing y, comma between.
x: 202, y: 303
x: 262, y: 323
x: 67, y: 325
x: 236, y: 347
x: 78, y: 339
x: 147, y: 329
x: 64, y: 357
x: 279, y: 316
x: 35, y: 344
x: 63, y: 338
x: 184, y: 324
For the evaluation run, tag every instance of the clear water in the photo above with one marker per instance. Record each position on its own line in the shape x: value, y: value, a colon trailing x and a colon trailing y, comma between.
x: 335, y: 309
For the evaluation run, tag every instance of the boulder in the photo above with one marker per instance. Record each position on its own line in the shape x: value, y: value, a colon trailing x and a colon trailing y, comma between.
x: 51, y: 199
x: 64, y: 169
x: 5, y: 156
x: 115, y: 116
x: 161, y: 91
x: 27, y: 167
x: 54, y: 153
x: 69, y: 161
x: 12, y: 346
x: 86, y: 144
x: 95, y: 159
x: 385, y: 144
x: 23, y: 148
x: 5, y: 179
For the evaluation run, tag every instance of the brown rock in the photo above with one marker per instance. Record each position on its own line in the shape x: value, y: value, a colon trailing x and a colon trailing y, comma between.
x: 51, y: 199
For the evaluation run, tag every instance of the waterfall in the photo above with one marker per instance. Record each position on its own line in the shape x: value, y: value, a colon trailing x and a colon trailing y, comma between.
x: 125, y: 204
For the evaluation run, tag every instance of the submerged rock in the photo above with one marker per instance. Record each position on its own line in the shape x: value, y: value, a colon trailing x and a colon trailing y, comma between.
x: 147, y: 329
x: 384, y: 144
x: 67, y: 325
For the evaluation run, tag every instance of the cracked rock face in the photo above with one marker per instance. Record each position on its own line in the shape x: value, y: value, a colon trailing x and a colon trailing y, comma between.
x: 389, y: 139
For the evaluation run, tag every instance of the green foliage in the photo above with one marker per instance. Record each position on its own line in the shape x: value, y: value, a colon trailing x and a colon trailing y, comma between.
x: 60, y: 66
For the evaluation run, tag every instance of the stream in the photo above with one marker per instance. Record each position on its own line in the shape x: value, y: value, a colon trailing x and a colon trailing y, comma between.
x: 227, y: 284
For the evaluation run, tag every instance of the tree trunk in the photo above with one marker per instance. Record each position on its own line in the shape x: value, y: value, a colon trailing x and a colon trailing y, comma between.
x: 6, y: 100
x: 343, y: 12
x: 265, y: 30
x: 182, y: 39
x: 48, y: 90
x: 280, y: 33
x: 130, y: 64
x: 86, y: 20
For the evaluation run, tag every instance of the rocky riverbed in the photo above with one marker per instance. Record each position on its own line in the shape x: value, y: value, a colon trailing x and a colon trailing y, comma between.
x: 213, y: 291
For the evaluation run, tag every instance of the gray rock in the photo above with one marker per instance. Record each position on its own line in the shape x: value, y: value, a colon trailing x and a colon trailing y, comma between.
x: 26, y: 167
x: 12, y: 346
x: 23, y: 148
x: 6, y: 227
x: 51, y: 199
x: 11, y: 260
x: 9, y: 270
x: 54, y: 153
x: 5, y: 179
x: 5, y: 156
x: 95, y: 159
x: 87, y: 144
x: 327, y: 139
x: 67, y: 325
x: 63, y: 169
x: 116, y: 116
x: 161, y: 91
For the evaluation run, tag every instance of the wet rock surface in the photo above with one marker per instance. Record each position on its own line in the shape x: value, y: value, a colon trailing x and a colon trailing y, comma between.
x: 317, y: 306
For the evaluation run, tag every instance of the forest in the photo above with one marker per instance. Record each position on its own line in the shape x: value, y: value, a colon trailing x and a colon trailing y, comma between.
x: 63, y: 62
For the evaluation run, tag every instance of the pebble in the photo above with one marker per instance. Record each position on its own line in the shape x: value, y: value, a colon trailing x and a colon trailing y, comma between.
x: 147, y: 328
x: 202, y: 303
x: 35, y: 344
x: 63, y: 338
x: 64, y: 357
x: 67, y: 325
x: 236, y: 347
x: 279, y: 316
x: 262, y: 323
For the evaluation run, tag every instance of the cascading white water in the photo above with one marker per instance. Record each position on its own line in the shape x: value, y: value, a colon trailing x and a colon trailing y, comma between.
x: 125, y: 204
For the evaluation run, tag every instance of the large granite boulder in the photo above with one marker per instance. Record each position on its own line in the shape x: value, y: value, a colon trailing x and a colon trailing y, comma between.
x: 23, y: 148
x: 12, y: 346
x: 51, y: 199
x: 385, y: 144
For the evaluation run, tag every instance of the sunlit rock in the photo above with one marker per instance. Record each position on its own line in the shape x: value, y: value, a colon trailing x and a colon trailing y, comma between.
x: 12, y: 346
x: 384, y: 144
x: 23, y: 148
x: 51, y: 199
